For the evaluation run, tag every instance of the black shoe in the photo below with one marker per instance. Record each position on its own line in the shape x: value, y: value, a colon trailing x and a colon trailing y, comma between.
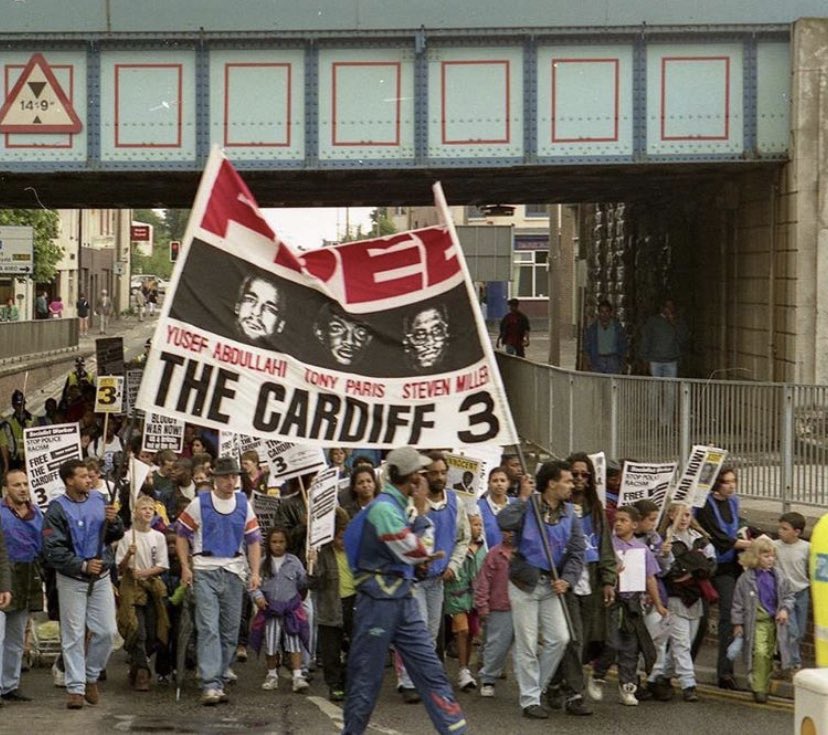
x: 577, y: 706
x: 727, y: 682
x: 662, y: 689
x: 644, y: 692
x: 15, y: 695
x: 760, y: 697
x: 410, y: 696
x: 336, y: 695
x: 555, y: 698
x: 689, y: 695
x: 536, y: 712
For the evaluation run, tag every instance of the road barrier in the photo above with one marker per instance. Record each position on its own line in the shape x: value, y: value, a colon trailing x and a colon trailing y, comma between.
x: 776, y: 433
x: 31, y: 338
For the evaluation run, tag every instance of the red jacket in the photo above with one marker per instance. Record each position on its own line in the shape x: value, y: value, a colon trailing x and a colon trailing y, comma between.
x: 491, y: 586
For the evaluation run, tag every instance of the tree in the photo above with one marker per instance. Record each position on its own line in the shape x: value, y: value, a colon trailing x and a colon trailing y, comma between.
x: 47, y: 253
x: 168, y: 224
x: 382, y: 224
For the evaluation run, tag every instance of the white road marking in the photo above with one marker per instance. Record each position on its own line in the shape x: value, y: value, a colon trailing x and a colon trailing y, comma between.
x: 335, y: 714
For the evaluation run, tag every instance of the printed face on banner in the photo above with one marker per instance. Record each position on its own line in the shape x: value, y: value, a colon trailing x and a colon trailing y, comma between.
x: 258, y: 315
x: 374, y: 344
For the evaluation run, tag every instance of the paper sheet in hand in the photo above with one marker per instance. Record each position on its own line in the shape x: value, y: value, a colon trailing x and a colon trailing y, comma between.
x: 633, y: 577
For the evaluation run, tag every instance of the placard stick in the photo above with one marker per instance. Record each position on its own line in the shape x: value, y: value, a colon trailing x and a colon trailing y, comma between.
x: 308, y: 563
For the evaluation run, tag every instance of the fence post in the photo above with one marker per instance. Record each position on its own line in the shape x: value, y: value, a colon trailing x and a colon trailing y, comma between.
x: 550, y: 428
x: 787, y: 444
x: 571, y: 446
x: 613, y: 447
x: 684, y: 418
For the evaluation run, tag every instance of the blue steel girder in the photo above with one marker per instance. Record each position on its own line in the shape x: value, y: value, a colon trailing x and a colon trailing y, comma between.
x: 410, y: 99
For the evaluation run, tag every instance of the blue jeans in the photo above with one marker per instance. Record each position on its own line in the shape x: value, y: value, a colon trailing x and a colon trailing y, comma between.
x: 429, y: 595
x: 797, y: 627
x: 537, y: 613
x: 499, y: 638
x: 218, y: 604
x: 11, y: 648
x: 80, y: 612
x: 377, y: 625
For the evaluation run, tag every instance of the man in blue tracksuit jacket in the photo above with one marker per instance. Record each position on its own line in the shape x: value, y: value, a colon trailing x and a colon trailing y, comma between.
x: 383, y: 547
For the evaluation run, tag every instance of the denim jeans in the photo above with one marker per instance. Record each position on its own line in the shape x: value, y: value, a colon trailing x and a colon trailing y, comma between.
x: 673, y: 654
x: 80, y: 612
x: 218, y: 596
x: 499, y: 638
x: 797, y: 626
x: 537, y: 613
x: 429, y: 595
x: 11, y: 648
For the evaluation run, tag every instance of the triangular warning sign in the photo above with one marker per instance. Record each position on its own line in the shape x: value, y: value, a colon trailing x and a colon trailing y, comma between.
x: 37, y: 103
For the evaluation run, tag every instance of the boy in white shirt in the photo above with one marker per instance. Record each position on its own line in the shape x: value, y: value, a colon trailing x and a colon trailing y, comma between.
x: 792, y: 553
x: 142, y: 617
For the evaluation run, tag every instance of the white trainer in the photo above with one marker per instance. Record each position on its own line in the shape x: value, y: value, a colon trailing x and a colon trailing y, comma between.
x: 487, y: 690
x: 595, y: 687
x: 626, y: 694
x: 271, y: 682
x: 300, y: 683
x: 58, y: 676
x: 465, y: 680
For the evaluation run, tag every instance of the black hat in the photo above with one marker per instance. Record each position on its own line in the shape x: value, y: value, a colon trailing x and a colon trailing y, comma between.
x: 226, y: 466
x: 18, y: 399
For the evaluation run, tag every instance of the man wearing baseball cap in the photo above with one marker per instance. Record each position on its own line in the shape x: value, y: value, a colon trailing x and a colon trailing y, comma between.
x: 217, y: 526
x: 384, y: 545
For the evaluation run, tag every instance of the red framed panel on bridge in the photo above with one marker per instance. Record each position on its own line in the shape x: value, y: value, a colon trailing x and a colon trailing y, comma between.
x: 615, y: 104
x: 70, y: 95
x: 445, y: 113
x: 227, y: 123
x: 664, y: 113
x: 178, y: 70
x: 337, y: 140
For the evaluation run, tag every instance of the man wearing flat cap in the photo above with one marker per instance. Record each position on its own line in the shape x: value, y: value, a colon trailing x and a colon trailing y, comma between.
x: 213, y: 531
x: 384, y: 543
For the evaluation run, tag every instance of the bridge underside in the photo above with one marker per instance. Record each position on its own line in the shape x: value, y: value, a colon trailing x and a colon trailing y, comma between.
x: 376, y: 186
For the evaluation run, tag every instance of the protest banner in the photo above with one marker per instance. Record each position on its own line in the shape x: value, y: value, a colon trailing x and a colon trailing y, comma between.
x: 322, y: 502
x: 133, y: 383
x: 162, y: 432
x: 265, y: 507
x: 109, y: 394
x: 377, y: 343
x: 699, y: 474
x: 138, y: 472
x: 47, y: 448
x: 109, y: 352
x: 286, y: 460
x: 464, y: 477
x: 645, y: 481
x: 599, y: 464
x: 252, y: 444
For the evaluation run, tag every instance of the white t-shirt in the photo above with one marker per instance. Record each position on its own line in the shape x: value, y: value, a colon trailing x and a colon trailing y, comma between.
x: 792, y: 562
x: 151, y: 549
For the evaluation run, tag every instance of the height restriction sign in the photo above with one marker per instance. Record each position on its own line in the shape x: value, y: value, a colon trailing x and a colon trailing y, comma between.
x: 37, y: 103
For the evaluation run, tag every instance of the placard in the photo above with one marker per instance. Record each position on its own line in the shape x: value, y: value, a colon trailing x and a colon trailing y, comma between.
x: 47, y: 448
x: 645, y: 481
x: 464, y: 477
x: 133, y: 383
x: 162, y: 432
x: 109, y: 394
x: 109, y: 352
x: 265, y: 508
x: 322, y: 501
x: 599, y: 464
x: 286, y: 460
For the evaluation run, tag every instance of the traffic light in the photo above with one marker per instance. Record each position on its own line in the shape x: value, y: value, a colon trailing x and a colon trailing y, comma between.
x: 175, y: 248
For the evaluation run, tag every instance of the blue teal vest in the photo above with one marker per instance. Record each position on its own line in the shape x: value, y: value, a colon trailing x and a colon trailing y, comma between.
x: 490, y: 528
x: 592, y: 540
x: 85, y: 523
x: 531, y: 542
x: 731, y: 529
x: 24, y: 539
x: 222, y: 535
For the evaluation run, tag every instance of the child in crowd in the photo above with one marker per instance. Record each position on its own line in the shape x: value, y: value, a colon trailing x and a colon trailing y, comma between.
x: 142, y: 557
x: 333, y: 582
x: 792, y: 554
x: 281, y: 619
x: 459, y: 601
x: 628, y: 636
x: 688, y: 586
x: 491, y: 600
x: 762, y: 603
x: 647, y: 533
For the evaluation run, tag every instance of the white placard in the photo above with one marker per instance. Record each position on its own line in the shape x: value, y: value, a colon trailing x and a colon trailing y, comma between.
x: 633, y: 574
x: 109, y: 394
x: 47, y: 448
x: 161, y: 432
x: 645, y: 481
x: 599, y: 464
x: 322, y: 501
x: 286, y: 460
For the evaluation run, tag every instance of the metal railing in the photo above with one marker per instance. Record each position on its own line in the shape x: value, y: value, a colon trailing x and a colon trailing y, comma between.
x: 776, y: 433
x: 22, y: 339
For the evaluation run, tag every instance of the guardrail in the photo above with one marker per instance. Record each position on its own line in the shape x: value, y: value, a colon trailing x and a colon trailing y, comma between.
x: 27, y: 338
x: 775, y: 433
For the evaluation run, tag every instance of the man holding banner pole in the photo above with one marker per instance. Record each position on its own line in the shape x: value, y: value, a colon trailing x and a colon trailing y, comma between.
x: 548, y: 562
x: 73, y: 527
